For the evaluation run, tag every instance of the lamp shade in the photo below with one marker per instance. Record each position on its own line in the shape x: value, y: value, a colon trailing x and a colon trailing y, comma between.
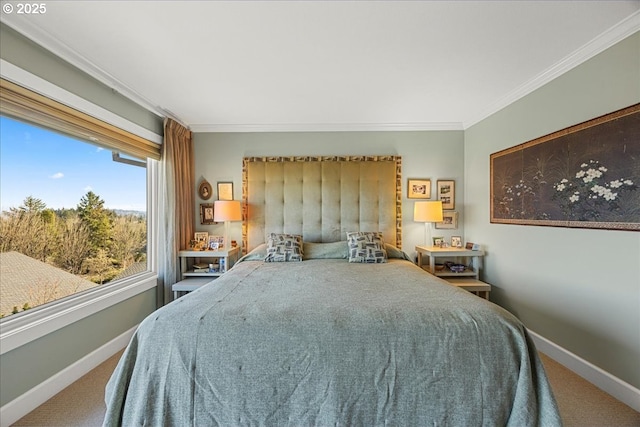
x: 430, y: 211
x: 227, y: 210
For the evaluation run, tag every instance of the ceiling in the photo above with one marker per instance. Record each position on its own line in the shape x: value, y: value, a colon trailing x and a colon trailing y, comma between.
x: 327, y: 65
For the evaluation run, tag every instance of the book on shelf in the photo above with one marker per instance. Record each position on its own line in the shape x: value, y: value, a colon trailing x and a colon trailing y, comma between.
x: 200, y: 265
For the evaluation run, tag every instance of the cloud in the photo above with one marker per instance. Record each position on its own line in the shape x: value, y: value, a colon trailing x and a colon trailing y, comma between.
x: 57, y: 175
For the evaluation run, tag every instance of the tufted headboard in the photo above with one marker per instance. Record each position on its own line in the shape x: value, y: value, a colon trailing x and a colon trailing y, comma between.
x: 321, y: 197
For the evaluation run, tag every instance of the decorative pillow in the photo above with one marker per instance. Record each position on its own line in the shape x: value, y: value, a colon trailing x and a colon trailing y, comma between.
x: 366, y: 247
x: 284, y: 248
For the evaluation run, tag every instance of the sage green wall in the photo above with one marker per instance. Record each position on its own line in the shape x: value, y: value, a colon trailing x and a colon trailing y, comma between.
x: 579, y: 288
x: 31, y: 364
x: 433, y: 155
x: 24, y: 53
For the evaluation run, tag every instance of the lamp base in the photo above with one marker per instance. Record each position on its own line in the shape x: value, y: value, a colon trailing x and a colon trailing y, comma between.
x: 427, y: 234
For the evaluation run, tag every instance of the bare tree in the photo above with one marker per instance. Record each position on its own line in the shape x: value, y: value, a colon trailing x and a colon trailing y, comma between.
x: 74, y: 245
x: 129, y: 238
x: 24, y: 232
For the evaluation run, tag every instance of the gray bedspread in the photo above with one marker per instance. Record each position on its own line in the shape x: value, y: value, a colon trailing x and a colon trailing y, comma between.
x: 325, y: 342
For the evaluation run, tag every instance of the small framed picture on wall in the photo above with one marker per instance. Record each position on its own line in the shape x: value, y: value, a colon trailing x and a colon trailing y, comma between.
x: 206, y: 213
x: 449, y: 220
x: 225, y: 191
x: 447, y: 193
x: 419, y: 188
x: 204, y: 190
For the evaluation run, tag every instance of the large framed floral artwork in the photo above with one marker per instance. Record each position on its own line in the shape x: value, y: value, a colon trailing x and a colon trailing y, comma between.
x: 584, y: 176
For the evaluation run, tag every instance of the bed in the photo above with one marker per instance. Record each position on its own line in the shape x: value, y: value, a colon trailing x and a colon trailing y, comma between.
x: 340, y: 329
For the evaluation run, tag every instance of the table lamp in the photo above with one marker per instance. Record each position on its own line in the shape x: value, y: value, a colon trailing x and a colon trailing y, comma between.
x: 226, y: 211
x: 428, y: 212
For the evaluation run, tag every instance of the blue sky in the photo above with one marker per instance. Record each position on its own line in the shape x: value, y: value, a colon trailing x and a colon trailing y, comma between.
x: 59, y: 170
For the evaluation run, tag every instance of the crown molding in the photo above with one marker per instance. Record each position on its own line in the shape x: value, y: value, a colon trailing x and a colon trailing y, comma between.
x: 326, y: 127
x: 613, y: 35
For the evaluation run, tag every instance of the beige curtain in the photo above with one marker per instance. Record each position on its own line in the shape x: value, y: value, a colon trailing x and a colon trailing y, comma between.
x: 177, y: 200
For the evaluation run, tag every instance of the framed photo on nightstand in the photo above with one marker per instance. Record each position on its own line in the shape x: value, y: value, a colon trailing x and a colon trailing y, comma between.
x: 456, y: 241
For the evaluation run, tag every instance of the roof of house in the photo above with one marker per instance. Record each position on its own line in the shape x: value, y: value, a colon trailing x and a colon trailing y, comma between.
x: 24, y: 279
x: 135, y: 268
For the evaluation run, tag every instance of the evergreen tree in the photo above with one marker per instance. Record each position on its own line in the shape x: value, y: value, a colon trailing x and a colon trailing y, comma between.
x: 98, y: 219
x: 31, y: 204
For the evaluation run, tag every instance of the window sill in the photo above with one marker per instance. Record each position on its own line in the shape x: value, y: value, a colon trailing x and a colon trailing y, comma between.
x: 20, y: 329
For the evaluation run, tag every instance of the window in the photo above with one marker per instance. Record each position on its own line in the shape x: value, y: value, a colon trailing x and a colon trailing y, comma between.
x: 73, y: 216
x: 78, y: 128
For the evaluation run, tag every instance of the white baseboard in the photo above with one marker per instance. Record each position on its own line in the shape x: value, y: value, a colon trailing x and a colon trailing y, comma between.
x: 27, y: 402
x: 602, y: 379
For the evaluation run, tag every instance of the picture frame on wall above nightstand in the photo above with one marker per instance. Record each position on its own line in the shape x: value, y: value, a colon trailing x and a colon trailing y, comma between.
x: 447, y: 193
x: 225, y: 190
x: 206, y: 213
x: 204, y: 190
x: 418, y: 188
x: 449, y: 220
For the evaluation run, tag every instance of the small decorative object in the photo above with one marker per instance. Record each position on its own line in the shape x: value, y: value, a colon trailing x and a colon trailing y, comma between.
x: 437, y: 241
x: 456, y: 241
x: 472, y: 246
x: 225, y: 191
x: 419, y: 188
x: 449, y: 220
x: 447, y: 193
x: 223, y: 266
x: 216, y: 243
x: 456, y: 268
x: 206, y: 213
x: 202, y: 240
x: 204, y: 190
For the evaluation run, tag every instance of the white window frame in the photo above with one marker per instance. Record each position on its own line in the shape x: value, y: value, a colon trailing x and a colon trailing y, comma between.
x: 18, y: 330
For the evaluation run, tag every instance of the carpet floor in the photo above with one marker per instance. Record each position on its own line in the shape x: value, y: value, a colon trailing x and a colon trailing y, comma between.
x: 581, y: 403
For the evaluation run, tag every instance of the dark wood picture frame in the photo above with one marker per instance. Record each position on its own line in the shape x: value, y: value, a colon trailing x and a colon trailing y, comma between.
x: 584, y: 176
x: 206, y: 213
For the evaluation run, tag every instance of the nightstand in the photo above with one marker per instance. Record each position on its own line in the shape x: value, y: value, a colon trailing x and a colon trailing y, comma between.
x: 469, y: 279
x: 192, y: 277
